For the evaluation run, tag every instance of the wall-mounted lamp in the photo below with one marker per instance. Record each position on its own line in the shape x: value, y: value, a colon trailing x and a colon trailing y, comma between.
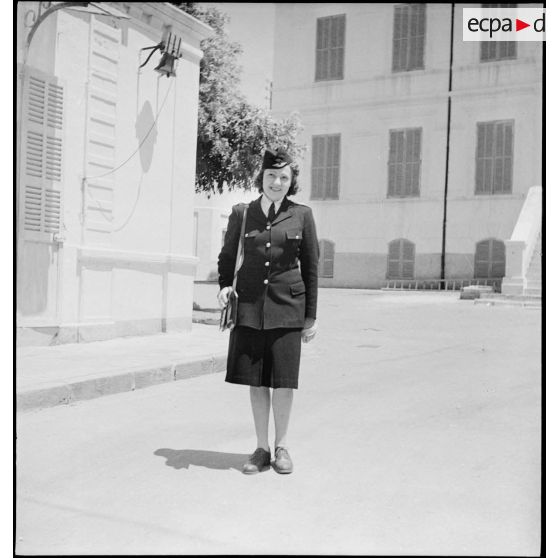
x: 171, y: 53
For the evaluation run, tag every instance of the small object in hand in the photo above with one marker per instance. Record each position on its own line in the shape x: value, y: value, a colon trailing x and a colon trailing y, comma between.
x: 229, y: 312
x: 308, y: 333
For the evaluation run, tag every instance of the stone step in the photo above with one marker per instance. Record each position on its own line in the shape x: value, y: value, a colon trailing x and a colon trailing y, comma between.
x: 535, y: 302
x: 511, y: 297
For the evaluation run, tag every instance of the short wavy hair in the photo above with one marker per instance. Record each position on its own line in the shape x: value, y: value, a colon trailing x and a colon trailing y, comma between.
x: 258, y: 181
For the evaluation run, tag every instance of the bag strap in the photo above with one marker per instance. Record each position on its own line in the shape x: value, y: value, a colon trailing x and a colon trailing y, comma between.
x: 240, y: 249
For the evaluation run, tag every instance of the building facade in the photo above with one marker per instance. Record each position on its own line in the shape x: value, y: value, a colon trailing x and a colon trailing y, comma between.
x: 106, y: 167
x: 410, y: 177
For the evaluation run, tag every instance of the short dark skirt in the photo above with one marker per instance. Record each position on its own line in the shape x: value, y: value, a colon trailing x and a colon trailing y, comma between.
x: 264, y: 357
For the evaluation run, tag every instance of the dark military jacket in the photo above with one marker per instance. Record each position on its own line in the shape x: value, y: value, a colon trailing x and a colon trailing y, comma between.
x: 277, y: 284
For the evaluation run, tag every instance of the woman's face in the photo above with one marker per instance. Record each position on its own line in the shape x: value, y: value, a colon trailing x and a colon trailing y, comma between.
x: 276, y: 182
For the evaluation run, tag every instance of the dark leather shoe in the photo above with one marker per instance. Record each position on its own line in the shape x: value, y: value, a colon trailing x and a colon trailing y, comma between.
x: 258, y: 461
x: 283, y: 463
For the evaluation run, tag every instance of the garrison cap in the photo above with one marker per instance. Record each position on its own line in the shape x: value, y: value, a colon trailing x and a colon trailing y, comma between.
x: 276, y: 159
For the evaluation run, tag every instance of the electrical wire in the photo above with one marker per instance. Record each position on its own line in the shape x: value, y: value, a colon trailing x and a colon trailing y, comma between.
x: 85, y: 178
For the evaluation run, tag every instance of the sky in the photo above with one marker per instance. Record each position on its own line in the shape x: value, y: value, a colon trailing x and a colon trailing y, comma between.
x: 252, y: 25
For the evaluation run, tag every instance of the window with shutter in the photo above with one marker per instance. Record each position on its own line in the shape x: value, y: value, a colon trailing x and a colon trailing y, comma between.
x: 490, y: 259
x: 41, y: 168
x: 327, y: 256
x: 498, y: 50
x: 494, y: 157
x: 326, y: 156
x: 404, y: 163
x: 409, y: 32
x: 330, y: 47
x: 401, y: 259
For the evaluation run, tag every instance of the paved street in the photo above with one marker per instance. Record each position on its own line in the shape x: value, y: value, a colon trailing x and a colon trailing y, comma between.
x: 416, y: 430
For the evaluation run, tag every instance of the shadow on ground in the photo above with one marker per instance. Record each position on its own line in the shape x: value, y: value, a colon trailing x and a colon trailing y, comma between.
x: 182, y: 459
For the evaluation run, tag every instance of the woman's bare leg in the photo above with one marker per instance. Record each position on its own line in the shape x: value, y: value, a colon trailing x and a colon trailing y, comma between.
x: 260, y: 400
x: 282, y: 402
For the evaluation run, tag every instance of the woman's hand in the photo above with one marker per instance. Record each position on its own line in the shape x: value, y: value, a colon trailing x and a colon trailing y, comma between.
x: 309, y: 331
x: 223, y: 296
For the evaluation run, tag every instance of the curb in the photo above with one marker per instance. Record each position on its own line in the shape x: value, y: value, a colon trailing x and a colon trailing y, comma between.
x: 64, y: 394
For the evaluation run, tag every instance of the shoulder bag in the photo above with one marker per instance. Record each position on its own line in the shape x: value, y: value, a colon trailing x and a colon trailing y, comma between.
x: 230, y: 311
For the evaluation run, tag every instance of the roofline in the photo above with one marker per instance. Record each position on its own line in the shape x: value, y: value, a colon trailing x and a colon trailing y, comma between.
x: 199, y: 29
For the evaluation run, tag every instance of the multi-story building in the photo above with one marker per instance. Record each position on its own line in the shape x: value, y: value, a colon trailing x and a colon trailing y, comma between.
x: 422, y: 147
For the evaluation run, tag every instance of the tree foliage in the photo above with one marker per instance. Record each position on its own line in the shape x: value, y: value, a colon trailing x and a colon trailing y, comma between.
x: 232, y: 133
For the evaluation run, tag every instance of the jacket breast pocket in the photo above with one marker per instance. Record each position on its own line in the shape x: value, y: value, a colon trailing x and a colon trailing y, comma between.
x: 294, y: 235
x: 298, y: 288
x: 250, y: 240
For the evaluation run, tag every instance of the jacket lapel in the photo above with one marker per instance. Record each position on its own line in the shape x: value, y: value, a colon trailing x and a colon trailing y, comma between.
x: 255, y: 211
x: 285, y: 211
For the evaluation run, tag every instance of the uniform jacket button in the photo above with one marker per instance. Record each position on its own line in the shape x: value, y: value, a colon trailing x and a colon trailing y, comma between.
x: 268, y: 227
x: 266, y: 264
x: 266, y: 281
x: 268, y: 245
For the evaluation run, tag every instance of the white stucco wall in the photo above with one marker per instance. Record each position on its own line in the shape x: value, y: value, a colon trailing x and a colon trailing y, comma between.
x: 127, y: 263
x: 212, y: 218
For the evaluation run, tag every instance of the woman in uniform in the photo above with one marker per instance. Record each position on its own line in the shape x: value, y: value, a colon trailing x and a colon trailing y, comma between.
x: 277, y: 288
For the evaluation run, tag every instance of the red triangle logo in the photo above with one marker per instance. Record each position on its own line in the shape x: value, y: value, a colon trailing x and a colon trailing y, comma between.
x: 519, y: 25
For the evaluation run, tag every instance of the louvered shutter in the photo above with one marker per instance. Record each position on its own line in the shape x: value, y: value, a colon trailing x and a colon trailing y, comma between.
x: 485, y: 158
x: 330, y: 47
x: 490, y: 259
x: 404, y: 162
x: 399, y: 40
x: 393, y: 271
x: 498, y: 182
x: 480, y: 181
x: 508, y: 156
x: 326, y: 154
x: 498, y: 259
x: 337, y: 47
x: 409, y: 31
x: 334, y: 152
x: 321, y: 53
x: 508, y: 49
x: 482, y: 259
x: 417, y: 29
x: 494, y: 158
x: 488, y: 51
x: 498, y: 50
x: 41, y: 165
x: 401, y: 259
x: 396, y: 162
x: 414, y: 163
x: 327, y: 256
x: 407, y: 259
x: 391, y: 163
x: 318, y: 167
